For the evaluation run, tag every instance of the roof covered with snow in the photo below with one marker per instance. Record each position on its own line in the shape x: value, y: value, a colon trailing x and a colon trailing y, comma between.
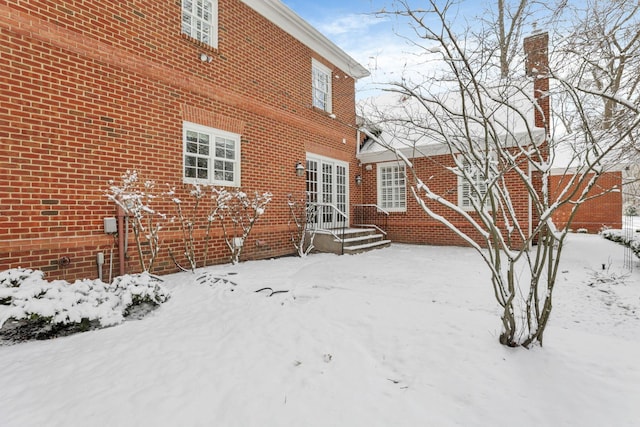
x: 421, y: 128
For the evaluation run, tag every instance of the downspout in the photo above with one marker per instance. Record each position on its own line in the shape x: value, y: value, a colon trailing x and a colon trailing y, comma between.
x: 121, y: 241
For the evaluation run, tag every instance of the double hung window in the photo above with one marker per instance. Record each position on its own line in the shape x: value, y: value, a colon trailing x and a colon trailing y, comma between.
x: 200, y: 20
x: 211, y: 156
x: 321, y: 80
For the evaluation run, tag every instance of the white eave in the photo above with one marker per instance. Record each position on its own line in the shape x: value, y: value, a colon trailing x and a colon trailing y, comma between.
x: 282, y: 16
x: 384, y: 154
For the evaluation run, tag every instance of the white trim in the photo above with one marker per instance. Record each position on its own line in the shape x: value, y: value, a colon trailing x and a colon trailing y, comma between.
x: 380, y: 203
x: 213, y: 133
x: 282, y: 16
x: 317, y: 65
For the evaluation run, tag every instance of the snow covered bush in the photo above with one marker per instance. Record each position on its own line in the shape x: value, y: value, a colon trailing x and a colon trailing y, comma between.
x: 187, y: 221
x: 136, y: 198
x: 138, y: 289
x: 619, y: 236
x: 207, y: 202
x: 32, y: 307
x: 241, y: 211
x: 236, y: 210
x: 139, y: 199
x: 630, y: 210
x: 613, y: 235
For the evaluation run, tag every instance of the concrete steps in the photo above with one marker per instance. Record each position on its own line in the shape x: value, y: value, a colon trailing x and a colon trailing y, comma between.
x: 352, y: 241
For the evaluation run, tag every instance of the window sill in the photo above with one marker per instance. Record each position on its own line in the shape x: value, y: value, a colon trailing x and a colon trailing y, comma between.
x: 206, y: 182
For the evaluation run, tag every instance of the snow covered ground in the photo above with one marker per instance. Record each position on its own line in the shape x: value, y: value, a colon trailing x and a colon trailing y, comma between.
x: 403, y: 336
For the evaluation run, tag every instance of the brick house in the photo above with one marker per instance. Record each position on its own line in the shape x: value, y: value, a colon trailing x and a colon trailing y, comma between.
x: 384, y: 180
x: 89, y: 90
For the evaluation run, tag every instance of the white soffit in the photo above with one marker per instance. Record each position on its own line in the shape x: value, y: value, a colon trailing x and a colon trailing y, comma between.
x: 282, y: 16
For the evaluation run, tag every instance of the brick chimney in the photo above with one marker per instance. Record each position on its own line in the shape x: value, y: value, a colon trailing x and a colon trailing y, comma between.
x: 536, y: 49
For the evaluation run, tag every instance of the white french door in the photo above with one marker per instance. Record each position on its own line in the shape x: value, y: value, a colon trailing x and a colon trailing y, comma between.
x: 327, y: 184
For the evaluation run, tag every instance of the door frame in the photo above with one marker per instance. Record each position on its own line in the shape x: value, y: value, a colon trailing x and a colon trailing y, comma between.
x: 338, y: 187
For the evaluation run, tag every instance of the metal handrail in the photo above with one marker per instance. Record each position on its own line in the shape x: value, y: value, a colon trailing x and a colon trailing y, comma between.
x: 378, y: 208
x: 371, y: 215
x: 319, y: 213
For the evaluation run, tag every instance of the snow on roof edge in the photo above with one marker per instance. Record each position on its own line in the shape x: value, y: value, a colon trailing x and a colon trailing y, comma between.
x: 379, y: 153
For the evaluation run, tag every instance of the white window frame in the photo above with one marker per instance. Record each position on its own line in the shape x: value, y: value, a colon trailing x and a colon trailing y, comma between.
x: 321, y: 76
x: 465, y: 194
x: 200, y: 20
x: 211, y: 157
x: 398, y: 191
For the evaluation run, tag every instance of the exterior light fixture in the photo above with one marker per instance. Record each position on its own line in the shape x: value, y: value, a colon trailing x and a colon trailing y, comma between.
x: 299, y: 169
x: 358, y: 179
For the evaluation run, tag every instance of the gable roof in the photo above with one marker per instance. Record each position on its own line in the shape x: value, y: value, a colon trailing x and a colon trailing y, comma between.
x: 282, y: 16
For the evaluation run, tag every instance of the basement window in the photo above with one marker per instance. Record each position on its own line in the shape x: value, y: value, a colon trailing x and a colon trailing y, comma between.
x: 200, y: 20
x: 211, y: 156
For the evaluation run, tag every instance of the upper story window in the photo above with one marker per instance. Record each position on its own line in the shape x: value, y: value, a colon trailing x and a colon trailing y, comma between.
x: 392, y: 188
x: 321, y: 80
x: 211, y: 156
x: 200, y: 20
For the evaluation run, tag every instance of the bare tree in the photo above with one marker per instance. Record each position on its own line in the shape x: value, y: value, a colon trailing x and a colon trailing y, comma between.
x: 493, y: 125
x: 605, y: 37
x: 189, y: 218
x: 303, y: 216
x: 187, y: 222
x: 506, y: 22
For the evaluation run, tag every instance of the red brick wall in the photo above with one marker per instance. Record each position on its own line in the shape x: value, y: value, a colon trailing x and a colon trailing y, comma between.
x: 593, y: 215
x: 415, y: 226
x: 89, y: 90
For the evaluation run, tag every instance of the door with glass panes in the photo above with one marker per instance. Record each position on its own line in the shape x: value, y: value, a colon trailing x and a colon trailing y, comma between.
x: 327, y: 187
